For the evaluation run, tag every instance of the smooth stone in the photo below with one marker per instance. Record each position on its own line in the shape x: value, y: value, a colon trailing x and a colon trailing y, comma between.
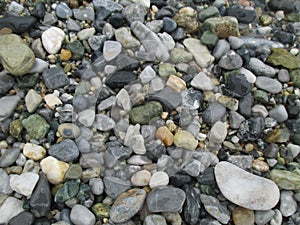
x: 283, y: 75
x: 251, y: 78
x: 279, y: 113
x: 9, y: 157
x: 10, y: 208
x: 77, y: 49
x: 54, y: 169
x: 136, y: 143
x: 38, y: 49
x: 287, y: 6
x: 52, y: 100
x: 22, y: 218
x: 288, y: 205
x: 36, y: 126
x: 87, y: 117
x: 221, y: 48
x: 101, y: 210
x: 134, y: 12
x: 39, y: 66
x: 120, y: 78
x: 84, y: 14
x: 165, y: 135
x: 277, y: 218
x: 32, y: 100
x: 257, y: 42
x: 214, y: 112
x: 211, y: 11
x: 143, y: 114
x: 68, y: 190
x: 242, y: 15
x: 147, y: 74
x: 155, y: 220
x: 229, y: 102
x: 264, y: 216
x: 81, y: 215
x: 115, y: 186
x: 97, y: 186
x: 169, y: 98
x: 63, y: 11
x: 73, y: 25
x: 141, y: 178
x: 200, y: 52
x: 127, y: 205
x: 24, y: 183
x: 10, y: 103
x: 18, y: 24
x: 203, y: 82
x: 176, y: 83
x: 159, y: 178
x: 66, y: 150
x: 230, y: 61
x: 86, y: 33
x: 166, y: 69
x: 165, y: 199
x: 186, y: 140
x: 16, y: 57
x: 124, y: 36
x: 74, y: 172
x: 266, y: 191
x: 285, y: 179
x: 281, y: 57
x: 268, y: 84
x: 69, y: 130
x: 242, y: 216
x: 4, y: 186
x: 218, y: 132
x: 179, y: 55
x: 55, y: 77
x: 259, y: 68
x: 52, y: 39
x: 104, y: 123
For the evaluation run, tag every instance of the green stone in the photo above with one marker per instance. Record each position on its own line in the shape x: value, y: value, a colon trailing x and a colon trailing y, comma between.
x: 143, y: 114
x: 16, y: 57
x: 278, y: 136
x: 285, y: 179
x: 209, y: 39
x: 223, y: 27
x: 15, y: 128
x: 261, y: 96
x: 295, y: 77
x: 77, y: 50
x: 296, y: 139
x: 166, y: 69
x: 28, y: 81
x: 179, y: 55
x: 84, y: 192
x: 292, y: 17
x: 281, y: 57
x: 191, y: 24
x: 84, y: 87
x: 265, y: 20
x: 209, y: 12
x: 68, y: 190
x: 101, y: 211
x: 36, y: 126
x: 74, y: 172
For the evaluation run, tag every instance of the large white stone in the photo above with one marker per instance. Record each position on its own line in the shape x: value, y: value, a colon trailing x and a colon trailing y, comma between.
x: 10, y: 208
x: 111, y: 50
x: 246, y: 189
x: 218, y: 133
x: 24, y: 183
x: 52, y: 39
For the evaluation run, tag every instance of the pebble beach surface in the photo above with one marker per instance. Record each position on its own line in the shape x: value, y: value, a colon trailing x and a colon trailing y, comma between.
x: 150, y: 112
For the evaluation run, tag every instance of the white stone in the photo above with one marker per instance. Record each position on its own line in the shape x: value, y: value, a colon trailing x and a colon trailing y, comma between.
x: 54, y: 169
x: 147, y: 75
x: 34, y: 152
x: 104, y: 122
x: 218, y: 133
x: 123, y: 100
x: 246, y: 189
x: 145, y: 3
x: 203, y: 82
x: 24, y: 183
x: 159, y: 178
x: 131, y: 130
x: 86, y: 33
x: 52, y: 100
x: 259, y: 110
x: 52, y: 39
x: 87, y: 117
x: 141, y: 178
x: 32, y: 100
x: 295, y: 149
x: 111, y: 50
x: 137, y: 144
x: 10, y: 208
x: 81, y: 215
x: 251, y: 78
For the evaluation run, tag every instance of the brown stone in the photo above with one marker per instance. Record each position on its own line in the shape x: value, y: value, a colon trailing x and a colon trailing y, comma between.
x: 176, y: 83
x: 65, y: 54
x: 242, y: 216
x: 260, y: 165
x: 165, y: 135
x: 5, y: 30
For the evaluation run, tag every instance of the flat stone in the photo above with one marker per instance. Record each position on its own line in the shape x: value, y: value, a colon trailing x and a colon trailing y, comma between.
x: 242, y: 15
x: 159, y: 178
x: 66, y: 150
x: 18, y: 24
x: 218, y: 132
x: 285, y: 179
x: 36, y: 126
x: 281, y: 57
x: 242, y: 216
x: 10, y: 208
x: 186, y: 140
x: 124, y: 36
x: 104, y: 123
x: 141, y: 178
x: 10, y: 103
x: 115, y: 186
x: 55, y: 78
x: 16, y: 57
x: 82, y: 215
x: 4, y: 185
x: 259, y: 68
x: 155, y: 220
x: 52, y: 39
x: 54, y: 169
x: 165, y: 199
x: 200, y: 52
x: 120, y: 78
x: 84, y: 14
x: 231, y: 61
x: 262, y: 217
x: 127, y: 205
x: 266, y: 191
x: 32, y: 100
x: 24, y: 183
x: 169, y: 98
x: 9, y: 157
x: 87, y: 117
x: 288, y: 205
x: 268, y: 84
x: 203, y: 82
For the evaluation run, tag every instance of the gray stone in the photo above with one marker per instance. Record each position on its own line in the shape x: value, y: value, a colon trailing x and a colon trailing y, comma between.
x: 69, y: 130
x: 257, y: 42
x: 167, y: 40
x: 209, y: 222
x: 115, y: 152
x: 63, y: 11
x: 277, y: 218
x: 283, y: 75
x: 65, y: 150
x: 214, y: 112
x: 165, y: 199
x: 134, y: 12
x: 96, y: 42
x: 221, y: 48
x: 9, y: 157
x: 155, y: 25
x: 124, y: 36
x: 115, y: 186
x: 55, y: 78
x: 107, y: 4
x: 147, y: 75
x: 10, y: 103
x: 15, y: 8
x: 80, y: 215
x: 242, y: 161
x: 111, y: 50
x: 104, y: 122
x: 218, y: 132
x: 231, y: 61
x: 39, y: 66
x: 4, y: 184
x: 260, y: 69
x: 86, y: 13
x: 10, y: 208
x: 288, y: 205
x: 97, y: 186
x: 6, y: 82
x: 268, y: 84
x: 235, y: 119
x: 168, y: 97
x: 263, y: 217
x: 38, y: 49
x: 73, y: 25
x: 279, y: 113
x: 235, y: 42
x: 32, y: 100
x: 87, y: 117
x: 203, y: 82
x: 86, y: 33
x: 24, y: 183
x: 155, y: 220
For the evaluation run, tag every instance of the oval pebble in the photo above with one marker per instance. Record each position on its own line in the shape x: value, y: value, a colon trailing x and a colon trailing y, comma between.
x: 268, y: 84
x: 141, y: 178
x: 33, y: 151
x: 159, y: 178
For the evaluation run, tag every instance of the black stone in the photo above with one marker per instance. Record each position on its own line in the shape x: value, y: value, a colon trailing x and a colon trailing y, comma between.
x: 166, y: 11
x: 77, y: 49
x: 18, y: 24
x: 252, y: 128
x: 39, y: 10
x: 180, y: 179
x: 245, y: 104
x: 40, y: 201
x: 245, y: 54
x: 178, y: 34
x: 287, y: 6
x: 35, y: 33
x: 207, y: 177
x: 293, y: 125
x: 55, y: 77
x: 46, y: 113
x: 293, y: 111
x: 42, y: 221
x: 102, y: 13
x: 6, y: 83
x: 24, y: 218
x: 169, y: 25
x: 158, y: 3
x: 237, y: 86
x: 242, y: 15
x: 192, y: 206
x: 222, y: 155
x: 120, y: 78
x: 295, y: 139
x: 284, y: 37
x: 125, y: 62
x: 169, y: 98
x: 116, y: 20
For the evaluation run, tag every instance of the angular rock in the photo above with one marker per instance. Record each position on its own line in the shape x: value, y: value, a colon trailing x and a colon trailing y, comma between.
x: 65, y: 150
x: 24, y: 183
x: 55, y: 78
x: 203, y: 82
x: 119, y: 79
x: 169, y: 98
x: 36, y: 126
x: 52, y: 39
x: 10, y: 103
x: 115, y: 186
x: 143, y: 114
x: 10, y: 208
x: 104, y: 123
x: 288, y: 205
x: 281, y: 57
x: 231, y: 61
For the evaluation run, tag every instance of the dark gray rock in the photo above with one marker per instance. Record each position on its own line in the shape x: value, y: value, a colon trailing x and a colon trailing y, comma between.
x: 66, y: 150
x: 169, y: 98
x: 9, y: 157
x: 24, y: 218
x: 55, y: 78
x: 115, y: 186
x: 18, y: 24
x: 115, y: 151
x: 214, y: 112
x: 6, y: 82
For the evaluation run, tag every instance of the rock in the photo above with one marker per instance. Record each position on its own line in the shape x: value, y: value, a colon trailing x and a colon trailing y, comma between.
x: 104, y: 123
x: 68, y: 190
x: 256, y: 42
x: 268, y: 84
x: 143, y: 114
x: 16, y: 128
x: 203, y: 82
x: 169, y: 25
x: 54, y: 169
x: 200, y: 52
x: 10, y: 103
x: 36, y: 126
x: 39, y: 66
x: 124, y: 36
x: 229, y: 102
x: 285, y: 179
x: 260, y: 69
x: 237, y: 86
x: 39, y: 10
x: 136, y: 143
x: 209, y: 39
x: 52, y: 39
x: 266, y: 193
x: 242, y: 216
x: 76, y: 49
x: 141, y: 178
x: 166, y: 69
x: 230, y: 61
x: 218, y: 132
x: 16, y: 57
x: 9, y: 157
x: 277, y: 218
x: 10, y: 208
x: 80, y: 215
x: 169, y: 98
x: 214, y: 112
x: 295, y: 77
x: 96, y: 41
x: 147, y: 75
x: 38, y: 49
x: 263, y: 217
x: 107, y: 4
x: 66, y: 151
x: 97, y: 186
x: 288, y: 205
x: 251, y: 78
x: 287, y: 6
x: 87, y: 117
x: 179, y: 55
x: 165, y: 199
x: 155, y: 220
x: 74, y: 172
x: 165, y: 135
x: 221, y: 48
x: 32, y: 100
x: 85, y: 13
x: 69, y: 130
x: 4, y: 186
x: 208, y: 12
x: 55, y: 78
x: 176, y: 83
x: 159, y: 178
x: 63, y: 11
x: 242, y: 15
x: 127, y: 205
x: 190, y: 23
x: 115, y: 186
x: 6, y: 82
x: 18, y: 24
x: 277, y: 136
x: 134, y: 12
x: 213, y: 206
x: 120, y: 78
x: 22, y: 218
x: 279, y: 113
x: 101, y: 210
x: 281, y: 57
x: 111, y: 50
x: 24, y: 183
x: 86, y: 33
x: 186, y: 140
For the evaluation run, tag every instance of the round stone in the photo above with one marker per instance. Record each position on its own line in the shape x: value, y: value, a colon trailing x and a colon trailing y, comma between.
x: 268, y: 84
x: 155, y: 220
x: 242, y: 216
x: 24, y: 183
x: 159, y: 178
x: 34, y: 152
x: 165, y: 135
x: 141, y: 178
x: 36, y: 126
x: 111, y: 50
x: 68, y: 130
x: 218, y: 132
x: 54, y: 169
x: 65, y: 54
x: 32, y: 100
x: 184, y: 139
x: 52, y: 39
x: 81, y: 215
x: 288, y: 205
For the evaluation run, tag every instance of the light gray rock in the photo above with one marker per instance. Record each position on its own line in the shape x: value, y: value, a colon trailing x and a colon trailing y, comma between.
x: 251, y: 78
x: 84, y: 13
x: 86, y: 33
x: 96, y: 42
x: 87, y: 117
x: 111, y: 50
x: 155, y: 220
x: 104, y: 122
x: 203, y: 82
x: 218, y: 132
x: 39, y: 66
x: 263, y: 217
x: 24, y: 183
x: 257, y: 42
x: 97, y: 186
x: 235, y: 42
x: 279, y: 113
x: 268, y: 84
x: 288, y: 205
x: 242, y: 161
x: 124, y: 36
x: 230, y: 61
x: 147, y: 75
x: 81, y: 215
x: 115, y: 186
x: 260, y: 69
x: 10, y: 208
x: 277, y: 218
x: 221, y: 48
x: 4, y: 184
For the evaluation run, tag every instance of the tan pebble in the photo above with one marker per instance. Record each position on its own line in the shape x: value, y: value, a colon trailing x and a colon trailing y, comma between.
x: 52, y: 100
x: 159, y: 179
x: 141, y: 178
x: 249, y: 147
x: 65, y: 54
x: 165, y: 135
x: 6, y: 30
x: 242, y: 216
x: 54, y: 169
x: 176, y: 83
x: 34, y: 152
x: 149, y: 167
x: 184, y: 139
x: 260, y: 165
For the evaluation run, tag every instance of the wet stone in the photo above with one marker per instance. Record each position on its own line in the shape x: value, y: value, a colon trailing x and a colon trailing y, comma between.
x: 279, y: 113
x: 115, y: 186
x: 55, y: 77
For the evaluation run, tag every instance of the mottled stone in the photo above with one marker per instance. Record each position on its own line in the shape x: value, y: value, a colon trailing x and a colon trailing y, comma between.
x: 285, y: 179
x: 143, y: 114
x: 242, y: 216
x: 141, y: 178
x: 186, y: 140
x: 52, y: 39
x: 65, y: 150
x: 36, y: 126
x: 54, y: 169
x: 203, y: 82
x: 115, y: 186
x: 159, y: 178
x: 288, y: 205
x: 124, y: 36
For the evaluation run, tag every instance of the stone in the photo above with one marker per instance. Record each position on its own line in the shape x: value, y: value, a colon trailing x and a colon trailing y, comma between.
x: 209, y: 39
x: 24, y: 183
x: 283, y: 75
x: 186, y: 140
x: 143, y: 114
x: 268, y: 84
x: 52, y: 39
x: 66, y: 151
x: 214, y: 112
x: 63, y: 11
x: 101, y: 210
x: 256, y: 42
x: 221, y: 48
x: 230, y: 61
x: 166, y: 69
x: 203, y: 82
x: 69, y: 130
x: 211, y: 11
x: 15, y: 8
x: 179, y: 55
x: 279, y: 113
x: 266, y: 191
x: 213, y: 206
x: 229, y: 102
x: 4, y: 186
x: 86, y: 33
x: 285, y: 179
x: 32, y: 100
x: 136, y: 143
x: 18, y: 24
x: 134, y: 12
x: 81, y: 215
x: 263, y: 217
x: 277, y: 218
x: 190, y: 23
x: 54, y: 169
x: 39, y: 66
x: 242, y: 216
x: 176, y: 83
x: 165, y: 199
x: 74, y: 172
x: 120, y: 78
x: 22, y: 218
x: 165, y: 135
x: 87, y: 117
x: 242, y: 15
x: 284, y: 37
x: 277, y: 136
x: 77, y: 49
x: 281, y: 57
x: 96, y: 41
x: 147, y: 75
x: 104, y: 123
x: 52, y: 100
x: 218, y: 132
x: 10, y: 208
x: 127, y: 205
x: 10, y: 103
x: 259, y: 68
x: 6, y: 82
x: 288, y: 205
x: 115, y: 186
x: 16, y: 57
x: 141, y: 178
x: 295, y: 78
x: 55, y: 78
x: 155, y: 220
x: 38, y: 49
x: 169, y: 25
x: 124, y: 36
x: 36, y: 126
x: 68, y: 190
x: 200, y: 52
x: 159, y: 178
x: 115, y: 152
x: 84, y: 14
x: 150, y: 41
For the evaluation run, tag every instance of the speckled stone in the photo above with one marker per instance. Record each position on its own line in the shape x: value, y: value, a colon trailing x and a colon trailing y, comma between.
x: 54, y: 169
x: 33, y: 151
x: 242, y: 216
x: 36, y: 126
x: 186, y: 140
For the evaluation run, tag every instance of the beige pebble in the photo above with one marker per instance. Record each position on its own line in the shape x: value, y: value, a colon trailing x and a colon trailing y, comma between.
x: 176, y: 83
x: 34, y: 152
x: 159, y: 178
x: 165, y: 135
x: 141, y: 178
x: 260, y: 165
x: 52, y: 100
x: 186, y: 140
x: 54, y: 169
x: 242, y: 216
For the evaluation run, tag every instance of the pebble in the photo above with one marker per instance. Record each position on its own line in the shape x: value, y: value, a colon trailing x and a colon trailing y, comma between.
x: 55, y: 78
x: 120, y: 78
x: 218, y: 132
x: 260, y: 69
x: 18, y: 24
x: 277, y: 218
x: 23, y: 218
x: 230, y: 61
x: 69, y: 130
x: 263, y: 217
x: 141, y: 178
x: 266, y: 191
x: 288, y: 205
x: 279, y: 113
x: 186, y: 140
x: 124, y: 36
x: 115, y: 186
x: 104, y: 123
x: 242, y: 216
x: 32, y: 100
x: 10, y: 208
x: 251, y: 78
x: 54, y: 169
x: 155, y: 220
x: 147, y: 75
x: 33, y: 151
x: 127, y: 205
x: 214, y: 112
x: 176, y: 83
x: 86, y: 33
x: 268, y: 84
x: 165, y: 135
x: 66, y: 151
x: 10, y: 103
x: 52, y: 39
x: 84, y: 14
x: 285, y: 179
x: 81, y: 215
x: 134, y: 12
x: 9, y: 157
x: 143, y: 114
x: 97, y: 186
x: 73, y: 25
x: 39, y: 66
x: 63, y: 11
x: 86, y: 117
x: 4, y: 186
x: 24, y: 183
x: 36, y: 126
x: 159, y: 178
x: 202, y: 82
x: 52, y: 100
x: 221, y: 48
